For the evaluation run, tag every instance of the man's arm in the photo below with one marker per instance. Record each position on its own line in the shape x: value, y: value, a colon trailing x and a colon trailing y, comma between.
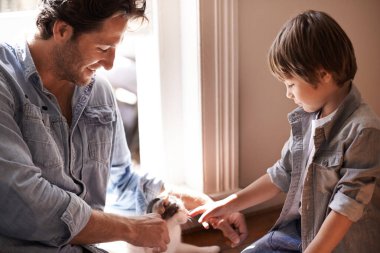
x: 145, y: 231
x: 331, y: 233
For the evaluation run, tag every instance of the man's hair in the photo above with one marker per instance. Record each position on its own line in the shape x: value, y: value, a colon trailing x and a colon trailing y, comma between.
x: 84, y: 15
x: 311, y: 41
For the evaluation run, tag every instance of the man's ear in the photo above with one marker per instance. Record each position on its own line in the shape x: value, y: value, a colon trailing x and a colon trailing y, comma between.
x: 62, y: 31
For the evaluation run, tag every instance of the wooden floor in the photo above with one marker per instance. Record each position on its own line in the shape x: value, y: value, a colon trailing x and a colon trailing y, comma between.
x: 258, y: 225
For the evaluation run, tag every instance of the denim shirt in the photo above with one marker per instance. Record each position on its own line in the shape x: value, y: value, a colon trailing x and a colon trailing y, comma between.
x: 53, y: 174
x: 344, y: 174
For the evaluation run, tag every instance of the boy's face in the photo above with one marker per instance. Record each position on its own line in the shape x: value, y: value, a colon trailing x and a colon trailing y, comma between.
x: 313, y: 98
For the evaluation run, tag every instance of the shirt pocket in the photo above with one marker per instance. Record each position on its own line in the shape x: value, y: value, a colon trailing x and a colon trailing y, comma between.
x: 37, y: 133
x: 99, y: 130
x: 327, y: 166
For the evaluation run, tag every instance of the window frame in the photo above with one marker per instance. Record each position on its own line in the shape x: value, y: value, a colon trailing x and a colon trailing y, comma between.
x: 200, y: 73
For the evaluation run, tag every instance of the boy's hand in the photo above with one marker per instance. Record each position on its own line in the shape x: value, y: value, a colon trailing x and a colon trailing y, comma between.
x: 213, y: 209
x: 232, y: 225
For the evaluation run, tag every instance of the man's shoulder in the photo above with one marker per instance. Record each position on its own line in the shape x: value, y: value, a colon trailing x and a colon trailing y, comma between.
x: 8, y: 64
x: 102, y: 93
x: 101, y: 84
x: 8, y: 50
x: 11, y: 56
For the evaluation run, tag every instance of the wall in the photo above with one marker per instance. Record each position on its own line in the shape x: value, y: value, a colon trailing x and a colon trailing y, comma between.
x: 263, y: 106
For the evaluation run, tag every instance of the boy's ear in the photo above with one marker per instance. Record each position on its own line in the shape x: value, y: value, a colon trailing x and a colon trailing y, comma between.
x: 62, y: 31
x: 324, y: 75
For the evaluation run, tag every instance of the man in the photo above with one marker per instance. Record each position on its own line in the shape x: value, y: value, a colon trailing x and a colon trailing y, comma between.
x: 62, y: 138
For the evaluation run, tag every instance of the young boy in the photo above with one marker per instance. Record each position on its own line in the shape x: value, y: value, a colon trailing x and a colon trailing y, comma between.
x: 330, y: 166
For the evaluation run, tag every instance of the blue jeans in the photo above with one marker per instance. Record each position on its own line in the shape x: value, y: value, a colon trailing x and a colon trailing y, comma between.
x: 285, y: 239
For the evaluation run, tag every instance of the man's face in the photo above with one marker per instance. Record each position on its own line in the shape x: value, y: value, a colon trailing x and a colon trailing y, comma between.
x: 77, y: 59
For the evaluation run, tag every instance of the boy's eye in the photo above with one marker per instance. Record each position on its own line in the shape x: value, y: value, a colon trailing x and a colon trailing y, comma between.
x: 290, y: 85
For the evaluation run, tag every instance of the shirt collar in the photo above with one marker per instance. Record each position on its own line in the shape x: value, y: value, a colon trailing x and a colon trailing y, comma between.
x: 24, y: 56
x: 349, y: 104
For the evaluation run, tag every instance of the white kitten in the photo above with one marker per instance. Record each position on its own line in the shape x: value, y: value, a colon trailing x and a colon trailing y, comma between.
x: 175, y: 214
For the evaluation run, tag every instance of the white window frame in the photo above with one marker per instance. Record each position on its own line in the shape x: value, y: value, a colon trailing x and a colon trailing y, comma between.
x: 188, y: 103
x: 220, y: 93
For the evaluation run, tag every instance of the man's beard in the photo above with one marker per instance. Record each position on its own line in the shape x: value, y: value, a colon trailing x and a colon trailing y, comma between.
x: 67, y: 63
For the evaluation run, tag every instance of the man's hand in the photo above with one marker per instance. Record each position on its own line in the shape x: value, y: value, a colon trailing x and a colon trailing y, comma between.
x: 148, y: 230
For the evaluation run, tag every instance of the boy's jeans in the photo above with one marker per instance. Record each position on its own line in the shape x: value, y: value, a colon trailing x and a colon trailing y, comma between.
x: 285, y: 239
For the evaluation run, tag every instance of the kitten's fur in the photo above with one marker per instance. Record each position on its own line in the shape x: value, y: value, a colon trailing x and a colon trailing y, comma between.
x: 173, y: 211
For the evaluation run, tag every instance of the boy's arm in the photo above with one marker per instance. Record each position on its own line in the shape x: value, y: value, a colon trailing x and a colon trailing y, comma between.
x: 355, y: 189
x: 331, y: 233
x: 257, y: 192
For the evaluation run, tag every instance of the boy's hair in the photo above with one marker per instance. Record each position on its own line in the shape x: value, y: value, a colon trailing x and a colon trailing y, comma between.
x: 311, y: 41
x: 84, y: 15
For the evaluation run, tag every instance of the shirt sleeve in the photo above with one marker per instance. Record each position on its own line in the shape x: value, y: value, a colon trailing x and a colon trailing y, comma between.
x: 358, y: 176
x: 31, y: 208
x: 131, y: 190
x: 280, y: 172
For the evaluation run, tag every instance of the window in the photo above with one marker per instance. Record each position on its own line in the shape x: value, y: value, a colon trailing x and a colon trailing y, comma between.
x: 167, y: 63
x: 17, y: 5
x: 17, y: 18
x: 187, y: 86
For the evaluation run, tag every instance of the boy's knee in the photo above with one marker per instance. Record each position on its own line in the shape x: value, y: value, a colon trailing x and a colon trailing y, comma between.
x: 262, y: 245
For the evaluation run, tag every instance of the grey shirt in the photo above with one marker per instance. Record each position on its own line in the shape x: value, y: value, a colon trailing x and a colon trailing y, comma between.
x: 52, y: 174
x: 344, y: 174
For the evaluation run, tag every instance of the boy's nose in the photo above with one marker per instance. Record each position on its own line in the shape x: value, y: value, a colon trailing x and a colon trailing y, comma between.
x: 289, y: 94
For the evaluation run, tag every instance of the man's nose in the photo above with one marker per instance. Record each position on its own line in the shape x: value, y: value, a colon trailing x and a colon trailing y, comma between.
x: 107, y: 62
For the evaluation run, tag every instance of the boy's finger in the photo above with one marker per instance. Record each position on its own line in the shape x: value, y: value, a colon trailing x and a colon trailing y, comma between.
x: 196, y: 212
x: 204, y: 217
x: 205, y: 225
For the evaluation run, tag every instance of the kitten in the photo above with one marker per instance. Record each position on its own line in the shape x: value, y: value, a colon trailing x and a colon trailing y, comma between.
x: 173, y: 211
